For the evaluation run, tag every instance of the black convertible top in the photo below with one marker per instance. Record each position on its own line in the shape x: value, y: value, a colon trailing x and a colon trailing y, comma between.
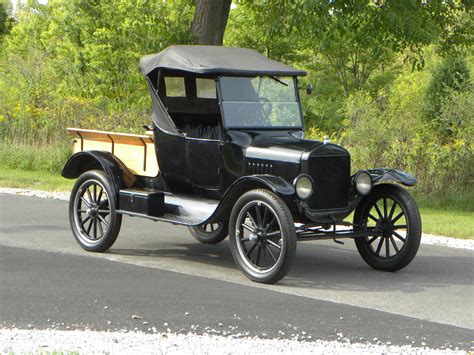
x: 216, y: 60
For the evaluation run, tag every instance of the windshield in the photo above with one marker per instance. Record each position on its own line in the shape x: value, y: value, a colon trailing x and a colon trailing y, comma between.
x: 260, y: 102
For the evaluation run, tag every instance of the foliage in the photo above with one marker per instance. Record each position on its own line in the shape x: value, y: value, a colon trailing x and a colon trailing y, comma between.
x: 389, y: 130
x: 74, y: 63
x: 452, y: 74
x: 6, y: 20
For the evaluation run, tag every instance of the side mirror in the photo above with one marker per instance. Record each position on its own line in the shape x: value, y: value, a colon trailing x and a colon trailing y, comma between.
x: 309, y: 89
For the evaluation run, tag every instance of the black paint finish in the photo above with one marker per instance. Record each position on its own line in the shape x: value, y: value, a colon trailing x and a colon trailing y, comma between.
x: 199, y: 157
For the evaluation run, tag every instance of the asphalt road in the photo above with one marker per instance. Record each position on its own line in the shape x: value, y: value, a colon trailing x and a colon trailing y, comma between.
x: 158, y: 272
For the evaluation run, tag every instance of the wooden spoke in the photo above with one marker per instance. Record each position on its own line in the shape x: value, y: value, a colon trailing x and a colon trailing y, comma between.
x: 271, y: 253
x: 258, y: 213
x: 379, y: 247
x: 84, y: 221
x: 90, y: 227
x: 89, y: 194
x: 251, y: 250
x: 265, y: 216
x: 95, y: 193
x: 392, y: 210
x: 272, y: 243
x: 102, y: 219
x: 378, y: 210
x: 372, y: 218
x: 398, y: 217
x: 400, y: 226
x: 395, y: 246
x: 259, y: 250
x: 371, y: 240
x: 85, y: 201
x: 271, y: 223
x: 399, y: 236
x: 101, y: 230
x: 252, y: 219
x: 387, y: 248
x: 94, y: 230
x: 385, y: 207
x: 273, y: 234
x: 248, y: 228
x: 100, y: 195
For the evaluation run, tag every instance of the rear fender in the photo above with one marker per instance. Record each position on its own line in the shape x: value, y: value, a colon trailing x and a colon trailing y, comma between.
x: 117, y: 173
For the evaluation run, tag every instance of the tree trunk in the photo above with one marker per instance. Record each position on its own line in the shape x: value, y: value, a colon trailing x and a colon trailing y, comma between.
x: 210, y: 20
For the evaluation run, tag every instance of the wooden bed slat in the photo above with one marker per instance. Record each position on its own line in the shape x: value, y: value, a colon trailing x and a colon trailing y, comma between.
x: 136, y: 151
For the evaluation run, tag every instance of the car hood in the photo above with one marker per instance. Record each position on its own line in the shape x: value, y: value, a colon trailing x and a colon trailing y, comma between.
x: 283, y: 149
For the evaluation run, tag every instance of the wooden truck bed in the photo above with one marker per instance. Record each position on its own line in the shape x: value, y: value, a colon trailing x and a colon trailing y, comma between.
x: 137, y: 152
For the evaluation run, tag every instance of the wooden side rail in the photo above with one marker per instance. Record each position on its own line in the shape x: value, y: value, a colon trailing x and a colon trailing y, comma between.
x: 136, y: 151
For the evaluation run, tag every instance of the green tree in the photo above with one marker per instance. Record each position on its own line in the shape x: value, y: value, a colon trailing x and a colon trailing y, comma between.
x: 448, y: 79
x: 6, y: 20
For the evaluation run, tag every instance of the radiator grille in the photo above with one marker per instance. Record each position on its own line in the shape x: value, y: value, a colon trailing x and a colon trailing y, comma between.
x: 331, y: 175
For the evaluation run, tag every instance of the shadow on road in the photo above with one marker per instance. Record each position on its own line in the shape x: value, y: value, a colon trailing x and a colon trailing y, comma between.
x: 328, y: 267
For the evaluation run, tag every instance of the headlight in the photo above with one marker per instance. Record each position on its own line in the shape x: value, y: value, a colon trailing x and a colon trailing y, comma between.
x: 303, y: 186
x: 363, y: 183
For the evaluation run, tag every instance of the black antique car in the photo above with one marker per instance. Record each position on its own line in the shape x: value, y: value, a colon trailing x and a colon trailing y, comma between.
x: 225, y: 155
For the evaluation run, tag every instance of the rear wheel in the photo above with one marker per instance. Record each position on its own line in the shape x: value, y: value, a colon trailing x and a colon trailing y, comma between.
x: 262, y: 236
x: 92, y: 216
x: 392, y: 213
x: 210, y: 233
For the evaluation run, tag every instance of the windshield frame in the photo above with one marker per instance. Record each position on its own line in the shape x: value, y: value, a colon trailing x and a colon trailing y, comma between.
x: 300, y: 127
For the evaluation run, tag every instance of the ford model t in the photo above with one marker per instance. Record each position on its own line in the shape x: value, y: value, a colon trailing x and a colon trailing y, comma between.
x: 225, y: 155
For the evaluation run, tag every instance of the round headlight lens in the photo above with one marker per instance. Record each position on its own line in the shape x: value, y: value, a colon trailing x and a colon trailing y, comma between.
x: 304, y: 187
x: 363, y: 183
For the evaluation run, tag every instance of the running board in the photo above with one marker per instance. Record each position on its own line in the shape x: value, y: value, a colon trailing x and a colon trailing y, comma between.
x: 176, y: 208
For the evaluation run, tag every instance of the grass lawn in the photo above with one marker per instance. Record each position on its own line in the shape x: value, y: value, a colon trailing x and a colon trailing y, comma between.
x: 449, y: 223
x: 452, y: 222
x: 38, y: 180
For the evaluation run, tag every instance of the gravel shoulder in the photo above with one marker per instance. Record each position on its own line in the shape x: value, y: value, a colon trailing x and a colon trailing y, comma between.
x: 92, y: 342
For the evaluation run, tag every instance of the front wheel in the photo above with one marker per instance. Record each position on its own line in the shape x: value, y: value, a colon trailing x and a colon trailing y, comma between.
x: 392, y: 214
x: 92, y: 216
x: 262, y: 236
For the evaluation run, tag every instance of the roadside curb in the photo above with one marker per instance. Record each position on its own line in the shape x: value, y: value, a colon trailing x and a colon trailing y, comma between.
x: 428, y: 239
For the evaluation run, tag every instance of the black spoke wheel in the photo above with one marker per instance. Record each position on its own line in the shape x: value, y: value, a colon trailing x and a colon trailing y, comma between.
x: 92, y: 216
x: 262, y: 236
x: 391, y: 213
x: 210, y: 233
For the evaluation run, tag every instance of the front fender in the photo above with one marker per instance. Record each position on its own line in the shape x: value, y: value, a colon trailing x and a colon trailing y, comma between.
x: 382, y: 175
x: 117, y: 173
x: 276, y: 184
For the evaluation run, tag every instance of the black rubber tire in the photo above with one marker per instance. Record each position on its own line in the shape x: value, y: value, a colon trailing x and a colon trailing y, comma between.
x: 413, y: 236
x: 115, y: 220
x: 212, y: 237
x: 288, y: 240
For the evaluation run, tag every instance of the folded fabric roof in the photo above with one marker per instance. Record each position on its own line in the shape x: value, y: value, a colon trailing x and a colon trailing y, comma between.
x: 216, y: 60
